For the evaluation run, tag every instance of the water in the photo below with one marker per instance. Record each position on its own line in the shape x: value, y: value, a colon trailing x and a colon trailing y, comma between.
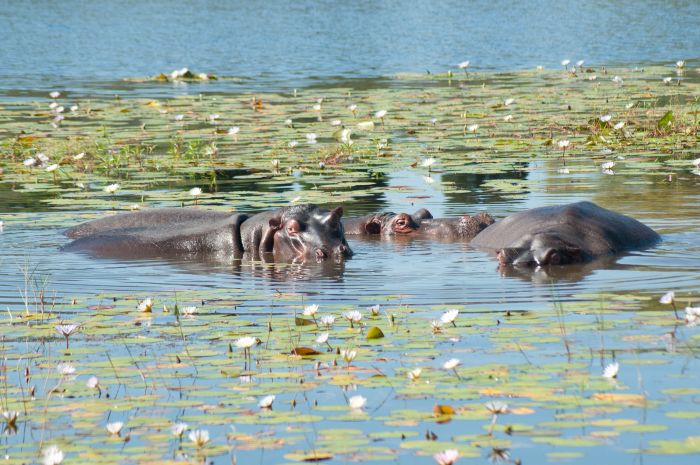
x: 87, y: 49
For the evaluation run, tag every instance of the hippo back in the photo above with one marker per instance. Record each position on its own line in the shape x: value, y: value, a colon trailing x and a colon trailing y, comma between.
x: 584, y: 224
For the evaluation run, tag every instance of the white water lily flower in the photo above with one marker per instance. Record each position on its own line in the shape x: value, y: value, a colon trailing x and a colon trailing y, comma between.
x: 92, y: 382
x: 232, y: 131
x: 292, y: 144
x: 195, y: 191
x: 463, y: 65
x: 496, y: 407
x: 428, y: 180
x: 507, y: 118
x: 472, y: 127
x: 66, y: 330
x: 562, y: 144
x: 246, y: 342
x: 29, y: 162
x: 178, y: 429
x: 436, y: 326
x: 352, y: 108
x: 451, y: 364
x: 214, y: 116
x: 275, y: 163
x: 322, y: 338
x: 59, y: 109
x: 565, y: 62
x: 336, y: 122
x: 189, y: 310
x: 680, y: 64
x: 374, y: 310
x: 348, y: 355
x: 42, y: 157
x: 449, y: 316
x: 65, y: 369
x: 54, y: 94
x: 112, y: 188
x: 179, y: 117
x: 51, y: 168
x: 353, y: 316
x: 310, y: 310
x: 428, y: 162
x: 79, y: 156
x: 667, y: 80
x: 288, y: 122
x: 357, y: 402
x: 617, y: 80
x: 74, y: 108
x: 692, y: 315
x: 611, y: 370
x: 508, y: 101
x: 146, y: 305
x: 199, y: 437
x: 414, y: 374
x: 53, y: 105
x: 580, y: 63
x: 345, y: 136
x: 380, y: 114
x: 327, y: 320
x: 619, y: 125
x: 316, y: 107
x: 667, y: 298
x: 115, y: 428
x: 607, y: 165
x: 592, y: 77
x: 266, y: 402
x: 53, y: 455
x: 311, y: 138
x: 10, y: 417
x: 446, y: 457
x: 605, y: 118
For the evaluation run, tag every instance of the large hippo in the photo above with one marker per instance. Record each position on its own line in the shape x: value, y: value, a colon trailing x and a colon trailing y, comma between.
x: 564, y: 234
x: 289, y: 233
x: 420, y: 224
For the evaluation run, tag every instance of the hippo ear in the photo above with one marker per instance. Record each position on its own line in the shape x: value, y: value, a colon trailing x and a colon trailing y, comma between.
x: 334, y: 216
x: 275, y: 223
x: 373, y: 226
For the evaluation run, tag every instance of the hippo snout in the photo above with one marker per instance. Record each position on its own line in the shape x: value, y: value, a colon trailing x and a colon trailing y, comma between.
x: 343, y: 250
x: 321, y: 253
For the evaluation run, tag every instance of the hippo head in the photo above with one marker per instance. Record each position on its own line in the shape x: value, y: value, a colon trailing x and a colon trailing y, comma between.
x: 542, y: 250
x: 306, y: 231
x: 396, y: 223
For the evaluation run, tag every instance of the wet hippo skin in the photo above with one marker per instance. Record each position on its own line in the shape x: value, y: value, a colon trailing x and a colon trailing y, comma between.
x: 290, y: 233
x: 564, y: 234
x: 420, y: 224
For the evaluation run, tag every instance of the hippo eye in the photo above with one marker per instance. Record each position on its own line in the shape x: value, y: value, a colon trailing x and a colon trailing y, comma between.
x: 293, y: 227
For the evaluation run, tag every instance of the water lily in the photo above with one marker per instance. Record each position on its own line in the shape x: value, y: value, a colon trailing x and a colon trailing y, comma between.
x: 353, y: 316
x: 374, y: 310
x: 669, y: 298
x: 327, y: 320
x: 322, y: 338
x: 214, y: 116
x: 66, y: 331
x: 463, y: 65
x: 507, y: 118
x: 266, y: 402
x: 436, y: 326
x: 10, y: 417
x: 692, y: 316
x: 509, y: 101
x: 51, y: 168
x: 178, y: 429
x: 696, y: 162
x: 115, y: 428
x: 605, y: 118
x: 565, y: 63
x: 189, y: 311
x: 336, y: 122
x: 353, y: 109
x: 450, y: 316
x: 54, y: 94
x: 496, y: 407
x: 580, y: 63
x: 611, y: 370
x: 94, y: 383
x: 414, y: 374
x: 619, y: 125
x: 74, y: 108
x: 65, y: 369
x: 380, y: 114
x: 311, y: 138
x: 472, y: 128
x: 112, y: 188
x: 667, y: 80
x: 451, y: 364
x: 289, y: 122
x: 446, y: 457
x: 29, y: 162
x: 199, y: 437
x: 607, y: 165
x: 618, y: 80
x: 357, y: 402
x: 345, y: 136
x: 179, y: 117
x: 79, y: 156
x: 428, y: 162
x: 348, y: 355
x: 680, y: 64
x: 53, y: 455
x: 275, y: 163
x: 246, y: 342
x: 310, y: 310
x: 292, y: 144
x: 53, y: 105
x: 233, y: 131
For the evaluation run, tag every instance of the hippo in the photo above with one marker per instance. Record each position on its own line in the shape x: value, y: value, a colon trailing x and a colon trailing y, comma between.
x: 420, y: 224
x: 561, y: 235
x: 291, y: 233
x: 385, y: 223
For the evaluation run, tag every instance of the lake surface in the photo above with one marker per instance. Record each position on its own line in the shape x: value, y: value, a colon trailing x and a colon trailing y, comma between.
x: 574, y: 320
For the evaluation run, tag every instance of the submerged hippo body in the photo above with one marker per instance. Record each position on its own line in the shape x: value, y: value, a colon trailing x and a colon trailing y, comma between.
x: 565, y: 234
x: 290, y: 233
x: 420, y: 224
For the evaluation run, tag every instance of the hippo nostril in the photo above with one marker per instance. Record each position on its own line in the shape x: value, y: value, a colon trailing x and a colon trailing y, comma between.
x: 320, y: 253
x: 344, y: 250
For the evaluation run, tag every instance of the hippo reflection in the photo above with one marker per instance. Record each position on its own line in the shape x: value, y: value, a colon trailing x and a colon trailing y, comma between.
x: 291, y: 233
x: 420, y: 224
x: 561, y: 235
